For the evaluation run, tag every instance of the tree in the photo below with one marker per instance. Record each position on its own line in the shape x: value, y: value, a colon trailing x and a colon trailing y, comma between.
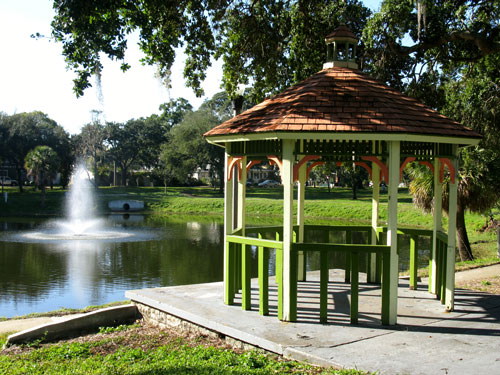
x: 90, y: 144
x: 187, y: 150
x: 42, y: 163
x: 451, y: 65
x: 429, y: 50
x: 88, y: 28
x: 443, y: 35
x: 174, y: 111
x: 288, y: 46
x: 25, y: 131
x: 135, y: 143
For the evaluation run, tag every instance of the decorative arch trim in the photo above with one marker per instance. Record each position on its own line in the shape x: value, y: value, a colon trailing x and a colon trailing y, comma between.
x: 301, y: 162
x: 315, y: 164
x: 384, y: 172
x: 409, y: 159
x: 451, y: 169
x: 232, y: 161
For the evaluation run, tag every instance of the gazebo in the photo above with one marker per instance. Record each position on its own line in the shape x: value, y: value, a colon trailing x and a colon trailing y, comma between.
x: 337, y: 115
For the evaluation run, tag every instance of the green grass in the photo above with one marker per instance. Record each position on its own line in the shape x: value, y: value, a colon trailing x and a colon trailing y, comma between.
x: 133, y: 350
x: 77, y: 359
x: 262, y: 205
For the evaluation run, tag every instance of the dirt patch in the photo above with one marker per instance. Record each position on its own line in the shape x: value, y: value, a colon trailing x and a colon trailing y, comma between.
x: 139, y: 335
x: 487, y: 284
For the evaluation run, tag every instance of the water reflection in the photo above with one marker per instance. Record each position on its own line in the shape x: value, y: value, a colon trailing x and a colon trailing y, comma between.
x: 37, y: 277
x: 47, y: 276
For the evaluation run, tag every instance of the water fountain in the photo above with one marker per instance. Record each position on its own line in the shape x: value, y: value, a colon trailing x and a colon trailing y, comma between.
x: 80, y: 222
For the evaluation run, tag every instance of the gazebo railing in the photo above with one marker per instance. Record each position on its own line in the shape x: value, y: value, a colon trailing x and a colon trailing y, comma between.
x: 267, y: 239
x: 353, y: 252
x: 441, y: 254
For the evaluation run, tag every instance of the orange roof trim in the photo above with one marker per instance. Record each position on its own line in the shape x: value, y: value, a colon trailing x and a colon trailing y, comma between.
x: 342, y: 100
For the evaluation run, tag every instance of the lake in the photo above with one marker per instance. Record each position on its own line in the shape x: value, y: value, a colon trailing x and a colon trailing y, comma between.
x: 39, y: 277
x: 177, y: 250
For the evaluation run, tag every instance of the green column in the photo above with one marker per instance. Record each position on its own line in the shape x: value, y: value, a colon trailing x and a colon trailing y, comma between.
x: 452, y: 229
x: 301, y: 276
x: 354, y: 286
x: 392, y: 228
x: 438, y: 188
x: 413, y: 261
x: 372, y: 258
x: 289, y: 313
x: 263, y: 260
x: 228, y: 228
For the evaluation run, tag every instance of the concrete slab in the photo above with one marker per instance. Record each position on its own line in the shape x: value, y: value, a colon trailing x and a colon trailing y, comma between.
x: 16, y: 325
x: 426, y: 339
x: 73, y: 324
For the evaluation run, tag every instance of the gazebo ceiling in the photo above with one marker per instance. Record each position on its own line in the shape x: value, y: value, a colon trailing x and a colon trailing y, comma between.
x: 342, y: 102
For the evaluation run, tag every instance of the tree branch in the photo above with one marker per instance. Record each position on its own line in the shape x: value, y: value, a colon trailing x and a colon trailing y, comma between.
x: 485, y: 44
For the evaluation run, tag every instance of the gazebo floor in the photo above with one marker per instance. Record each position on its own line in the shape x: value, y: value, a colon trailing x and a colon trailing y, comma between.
x: 426, y: 340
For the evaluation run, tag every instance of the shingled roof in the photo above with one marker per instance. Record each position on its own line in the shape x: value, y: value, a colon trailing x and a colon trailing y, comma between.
x: 342, y: 100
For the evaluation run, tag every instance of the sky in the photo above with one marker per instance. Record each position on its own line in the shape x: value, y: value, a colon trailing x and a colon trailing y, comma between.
x: 33, y: 74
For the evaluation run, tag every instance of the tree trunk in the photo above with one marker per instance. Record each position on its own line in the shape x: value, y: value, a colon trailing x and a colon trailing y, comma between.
x: 19, y: 179
x: 96, y: 174
x: 463, y: 243
x: 42, y: 188
x: 124, y: 176
x: 354, y: 187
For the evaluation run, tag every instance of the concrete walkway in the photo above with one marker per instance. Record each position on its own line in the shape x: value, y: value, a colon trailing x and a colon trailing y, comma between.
x: 426, y: 340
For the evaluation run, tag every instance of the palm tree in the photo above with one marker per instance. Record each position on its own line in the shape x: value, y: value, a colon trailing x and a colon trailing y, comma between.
x: 41, y: 163
x: 478, y: 190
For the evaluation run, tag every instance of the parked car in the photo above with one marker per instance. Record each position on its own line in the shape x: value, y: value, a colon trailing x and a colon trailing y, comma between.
x: 7, y: 181
x: 251, y: 182
x: 269, y: 183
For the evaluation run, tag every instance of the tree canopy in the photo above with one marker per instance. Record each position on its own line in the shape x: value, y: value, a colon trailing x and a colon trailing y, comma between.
x: 22, y: 132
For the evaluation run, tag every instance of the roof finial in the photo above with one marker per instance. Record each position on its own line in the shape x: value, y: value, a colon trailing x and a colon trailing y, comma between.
x: 341, y: 48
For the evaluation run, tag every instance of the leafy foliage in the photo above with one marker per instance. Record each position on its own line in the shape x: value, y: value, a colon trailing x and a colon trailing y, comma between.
x: 187, y: 150
x: 22, y: 132
x: 42, y: 164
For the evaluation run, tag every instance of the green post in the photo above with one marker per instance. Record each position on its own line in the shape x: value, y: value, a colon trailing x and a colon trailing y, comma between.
x: 348, y: 240
x: 323, y: 287
x: 238, y: 250
x: 430, y: 267
x: 294, y: 261
x: 263, y: 279
x: 439, y: 269
x: 354, y: 286
x: 246, y: 290
x: 229, y: 284
x: 378, y: 269
x: 278, y: 265
x: 279, y: 278
x: 443, y: 274
x: 413, y: 261
x: 386, y: 290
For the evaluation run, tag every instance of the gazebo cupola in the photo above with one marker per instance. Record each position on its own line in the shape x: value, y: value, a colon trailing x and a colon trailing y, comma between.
x: 341, y: 48
x: 338, y: 115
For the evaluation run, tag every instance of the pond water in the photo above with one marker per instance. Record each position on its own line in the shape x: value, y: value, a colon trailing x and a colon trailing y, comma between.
x: 45, y: 275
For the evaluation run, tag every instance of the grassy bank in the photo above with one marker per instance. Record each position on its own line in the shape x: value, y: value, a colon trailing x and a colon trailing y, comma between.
x: 142, y: 349
x: 262, y: 205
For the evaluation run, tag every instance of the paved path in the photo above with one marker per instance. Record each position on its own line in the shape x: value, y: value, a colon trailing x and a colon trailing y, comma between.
x: 478, y: 273
x: 426, y: 340
x: 17, y: 325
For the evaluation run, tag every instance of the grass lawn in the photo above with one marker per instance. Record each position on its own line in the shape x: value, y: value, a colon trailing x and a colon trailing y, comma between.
x: 142, y: 349
x: 262, y: 205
